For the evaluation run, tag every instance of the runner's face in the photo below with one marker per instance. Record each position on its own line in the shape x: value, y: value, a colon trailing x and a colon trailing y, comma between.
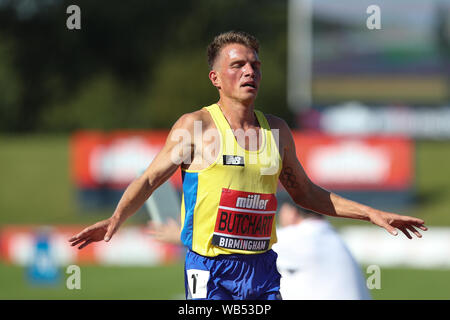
x: 238, y: 72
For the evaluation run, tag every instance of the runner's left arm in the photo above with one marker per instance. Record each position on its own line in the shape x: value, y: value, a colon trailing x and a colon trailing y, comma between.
x: 311, y: 196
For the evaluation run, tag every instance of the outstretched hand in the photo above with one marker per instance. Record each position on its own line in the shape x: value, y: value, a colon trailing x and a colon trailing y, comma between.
x: 102, y: 230
x: 392, y: 221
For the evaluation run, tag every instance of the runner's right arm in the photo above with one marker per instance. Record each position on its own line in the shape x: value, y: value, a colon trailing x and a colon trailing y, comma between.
x: 177, y: 149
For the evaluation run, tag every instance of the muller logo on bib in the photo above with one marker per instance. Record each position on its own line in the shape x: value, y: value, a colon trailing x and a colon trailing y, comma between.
x: 252, y: 201
x: 244, y: 220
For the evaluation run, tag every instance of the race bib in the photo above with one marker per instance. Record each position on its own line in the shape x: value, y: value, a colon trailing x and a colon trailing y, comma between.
x: 244, y: 220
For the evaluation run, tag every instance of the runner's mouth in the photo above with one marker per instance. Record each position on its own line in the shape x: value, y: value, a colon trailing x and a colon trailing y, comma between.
x: 249, y: 84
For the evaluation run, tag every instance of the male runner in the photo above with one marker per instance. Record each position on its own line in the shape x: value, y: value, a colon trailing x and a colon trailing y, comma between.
x: 230, y: 173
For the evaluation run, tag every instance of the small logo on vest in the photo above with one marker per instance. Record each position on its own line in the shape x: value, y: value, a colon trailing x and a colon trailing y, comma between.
x: 233, y: 160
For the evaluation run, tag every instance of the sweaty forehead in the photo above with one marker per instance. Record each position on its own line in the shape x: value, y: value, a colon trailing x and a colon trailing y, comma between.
x: 237, y: 51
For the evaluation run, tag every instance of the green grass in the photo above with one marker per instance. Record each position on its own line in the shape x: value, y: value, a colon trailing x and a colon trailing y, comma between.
x: 162, y: 282
x: 413, y: 284
x: 35, y: 184
x: 433, y: 183
x: 432, y: 186
x: 166, y: 283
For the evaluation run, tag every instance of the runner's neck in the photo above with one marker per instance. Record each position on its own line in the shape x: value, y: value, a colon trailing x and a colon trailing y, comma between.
x: 239, y: 116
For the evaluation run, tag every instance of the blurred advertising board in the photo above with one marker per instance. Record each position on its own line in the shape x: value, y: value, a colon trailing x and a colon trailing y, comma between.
x: 356, y: 118
x: 113, y: 159
x: 103, y: 164
x: 358, y: 163
x: 375, y: 170
x: 130, y: 246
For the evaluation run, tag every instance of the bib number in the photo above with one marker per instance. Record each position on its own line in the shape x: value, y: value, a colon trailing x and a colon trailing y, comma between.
x: 197, y: 283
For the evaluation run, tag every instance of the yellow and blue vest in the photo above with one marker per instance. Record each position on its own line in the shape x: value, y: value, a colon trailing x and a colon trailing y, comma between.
x: 229, y: 207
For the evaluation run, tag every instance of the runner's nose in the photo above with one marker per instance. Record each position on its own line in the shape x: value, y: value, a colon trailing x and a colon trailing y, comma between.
x: 249, y: 71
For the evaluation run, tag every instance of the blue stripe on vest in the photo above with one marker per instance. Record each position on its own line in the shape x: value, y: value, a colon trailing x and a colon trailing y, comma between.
x: 190, y: 186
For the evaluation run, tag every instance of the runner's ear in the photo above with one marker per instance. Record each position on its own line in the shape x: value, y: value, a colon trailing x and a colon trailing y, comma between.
x: 215, y: 80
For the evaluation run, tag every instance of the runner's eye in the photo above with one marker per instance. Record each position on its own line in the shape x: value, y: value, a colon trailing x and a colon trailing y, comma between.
x: 237, y: 65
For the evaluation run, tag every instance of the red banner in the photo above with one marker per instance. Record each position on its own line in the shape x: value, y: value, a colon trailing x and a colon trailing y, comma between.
x: 114, y: 159
x: 357, y: 163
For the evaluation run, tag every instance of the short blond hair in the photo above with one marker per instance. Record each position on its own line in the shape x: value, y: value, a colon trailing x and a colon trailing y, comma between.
x: 230, y: 37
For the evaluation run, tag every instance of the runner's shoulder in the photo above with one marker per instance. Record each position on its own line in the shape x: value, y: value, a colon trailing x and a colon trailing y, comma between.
x: 187, y: 120
x: 285, y: 134
x: 276, y: 122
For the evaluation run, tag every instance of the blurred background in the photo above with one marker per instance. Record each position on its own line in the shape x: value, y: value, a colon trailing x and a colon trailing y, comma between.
x: 82, y: 111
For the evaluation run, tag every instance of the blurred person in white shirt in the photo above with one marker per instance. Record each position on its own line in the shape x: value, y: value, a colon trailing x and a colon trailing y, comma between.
x: 314, y: 262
